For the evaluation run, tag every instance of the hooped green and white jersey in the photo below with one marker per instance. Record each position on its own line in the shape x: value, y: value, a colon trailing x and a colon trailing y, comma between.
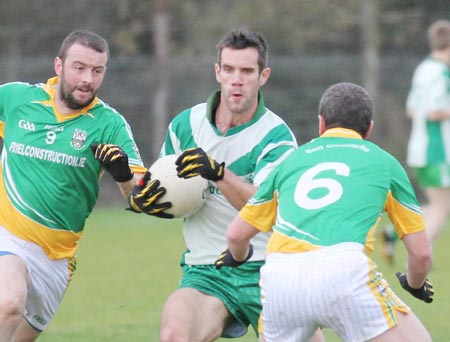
x: 429, y: 141
x: 251, y: 151
x: 49, y: 176
x: 331, y: 190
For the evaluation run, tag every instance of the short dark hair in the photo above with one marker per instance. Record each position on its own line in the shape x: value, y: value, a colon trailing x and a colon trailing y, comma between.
x: 439, y: 35
x: 347, y: 105
x: 85, y: 38
x: 243, y: 38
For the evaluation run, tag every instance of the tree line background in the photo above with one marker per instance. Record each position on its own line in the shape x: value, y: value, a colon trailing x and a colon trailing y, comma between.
x: 163, y: 52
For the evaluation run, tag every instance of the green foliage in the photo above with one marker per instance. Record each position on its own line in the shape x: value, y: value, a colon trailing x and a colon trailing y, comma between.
x: 128, y: 265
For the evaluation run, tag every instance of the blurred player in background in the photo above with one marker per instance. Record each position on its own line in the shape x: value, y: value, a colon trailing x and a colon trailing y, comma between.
x: 323, y: 203
x: 234, y: 141
x: 58, y: 139
x: 428, y: 106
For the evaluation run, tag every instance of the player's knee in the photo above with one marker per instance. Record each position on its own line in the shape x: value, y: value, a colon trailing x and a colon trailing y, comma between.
x: 11, y: 309
x: 165, y: 335
x: 168, y: 334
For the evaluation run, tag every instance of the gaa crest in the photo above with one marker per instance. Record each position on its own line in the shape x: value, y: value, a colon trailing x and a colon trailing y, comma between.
x: 78, y: 138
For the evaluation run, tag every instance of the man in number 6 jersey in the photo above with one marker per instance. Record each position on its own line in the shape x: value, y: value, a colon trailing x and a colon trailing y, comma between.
x: 323, y: 203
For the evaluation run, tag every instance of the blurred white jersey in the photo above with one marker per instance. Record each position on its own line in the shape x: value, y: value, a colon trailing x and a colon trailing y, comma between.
x: 429, y: 141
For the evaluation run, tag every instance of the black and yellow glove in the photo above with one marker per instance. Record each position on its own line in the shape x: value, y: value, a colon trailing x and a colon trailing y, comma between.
x: 194, y: 161
x: 226, y: 258
x: 145, y: 195
x: 114, y: 160
x: 425, y: 292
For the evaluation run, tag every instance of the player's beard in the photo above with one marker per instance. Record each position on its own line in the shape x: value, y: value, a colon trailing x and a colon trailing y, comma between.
x: 66, y: 95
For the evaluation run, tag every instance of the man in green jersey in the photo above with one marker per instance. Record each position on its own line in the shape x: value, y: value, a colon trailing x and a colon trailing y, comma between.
x: 234, y: 141
x: 58, y: 138
x: 428, y: 107
x: 323, y: 203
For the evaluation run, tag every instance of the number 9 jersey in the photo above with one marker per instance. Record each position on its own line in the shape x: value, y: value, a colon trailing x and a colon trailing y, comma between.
x: 49, y: 176
x: 333, y: 189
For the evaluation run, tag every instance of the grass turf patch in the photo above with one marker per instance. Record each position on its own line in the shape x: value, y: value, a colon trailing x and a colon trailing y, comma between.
x: 129, y: 264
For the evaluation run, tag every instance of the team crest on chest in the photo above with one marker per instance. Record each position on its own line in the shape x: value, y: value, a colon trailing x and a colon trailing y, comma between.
x: 78, y: 138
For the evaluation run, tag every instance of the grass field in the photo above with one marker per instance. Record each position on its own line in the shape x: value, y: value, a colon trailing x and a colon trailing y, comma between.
x: 128, y: 265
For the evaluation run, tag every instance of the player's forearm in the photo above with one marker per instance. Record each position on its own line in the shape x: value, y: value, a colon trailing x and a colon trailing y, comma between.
x: 418, y: 269
x: 419, y: 258
x: 239, y: 250
x: 126, y: 188
x: 239, y: 234
x: 438, y: 115
x: 236, y: 190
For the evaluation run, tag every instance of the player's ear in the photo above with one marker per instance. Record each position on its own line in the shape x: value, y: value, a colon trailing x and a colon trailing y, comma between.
x: 264, y: 76
x: 58, y: 63
x: 217, y: 71
x: 322, y: 124
x: 369, y: 131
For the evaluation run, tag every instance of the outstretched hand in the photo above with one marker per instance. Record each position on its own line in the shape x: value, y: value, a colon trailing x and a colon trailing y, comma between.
x: 194, y: 162
x: 425, y: 292
x: 145, y: 196
x: 114, y: 160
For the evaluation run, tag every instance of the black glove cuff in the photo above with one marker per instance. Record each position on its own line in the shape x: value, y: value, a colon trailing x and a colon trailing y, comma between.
x: 425, y: 292
x: 122, y: 176
x: 220, y: 173
x: 234, y: 262
x: 415, y: 292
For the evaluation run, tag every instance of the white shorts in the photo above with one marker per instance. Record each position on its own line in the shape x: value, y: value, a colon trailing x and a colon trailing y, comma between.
x: 336, y: 287
x: 48, y: 278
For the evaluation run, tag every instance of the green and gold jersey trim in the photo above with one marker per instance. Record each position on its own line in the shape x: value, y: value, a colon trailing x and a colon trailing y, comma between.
x: 49, y: 175
x: 50, y: 88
